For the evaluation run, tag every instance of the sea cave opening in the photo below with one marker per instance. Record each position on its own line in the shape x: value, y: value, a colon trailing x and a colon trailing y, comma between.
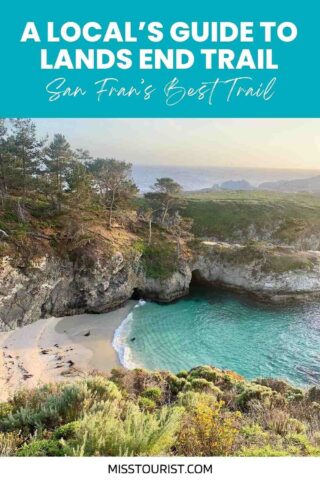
x: 136, y: 294
x: 197, y: 279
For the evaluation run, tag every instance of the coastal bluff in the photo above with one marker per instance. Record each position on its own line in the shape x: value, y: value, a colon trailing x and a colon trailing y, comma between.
x: 93, y: 281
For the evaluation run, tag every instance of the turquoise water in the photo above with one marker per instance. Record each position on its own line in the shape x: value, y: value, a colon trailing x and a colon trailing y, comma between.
x: 225, y: 330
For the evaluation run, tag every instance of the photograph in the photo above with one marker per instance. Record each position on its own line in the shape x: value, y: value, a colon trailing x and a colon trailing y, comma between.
x: 159, y: 287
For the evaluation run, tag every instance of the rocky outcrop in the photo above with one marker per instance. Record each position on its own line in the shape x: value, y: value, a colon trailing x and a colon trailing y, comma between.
x: 51, y: 286
x: 94, y: 282
x: 169, y: 289
x: 274, y: 272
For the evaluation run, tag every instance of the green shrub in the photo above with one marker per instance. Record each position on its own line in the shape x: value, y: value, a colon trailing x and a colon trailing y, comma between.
x: 139, y: 246
x: 63, y: 407
x: 102, y: 389
x: 249, y: 392
x: 302, y: 445
x: 297, y: 440
x: 206, y: 372
x: 283, y: 388
x: 33, y: 398
x: 41, y: 448
x: 252, y: 435
x: 128, y: 432
x: 190, y: 399
x: 277, y: 385
x: 202, y: 385
x: 147, y: 404
x: 266, y: 451
x: 153, y: 393
x: 253, y: 432
x: 177, y: 384
x: 117, y: 375
x: 182, y: 374
x: 296, y: 426
x: 295, y: 394
x: 67, y: 431
x: 5, y: 409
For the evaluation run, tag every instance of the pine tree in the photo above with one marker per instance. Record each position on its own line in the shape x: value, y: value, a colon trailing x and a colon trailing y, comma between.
x: 113, y: 182
x: 165, y: 197
x: 58, y: 159
x: 27, y: 154
x: 4, y: 156
x: 79, y: 180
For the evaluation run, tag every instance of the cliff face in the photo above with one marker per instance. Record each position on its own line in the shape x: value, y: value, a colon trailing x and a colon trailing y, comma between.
x: 96, y: 283
x: 50, y: 286
x: 274, y: 272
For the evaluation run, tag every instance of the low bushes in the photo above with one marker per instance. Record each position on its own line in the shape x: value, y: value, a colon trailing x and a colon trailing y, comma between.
x: 207, y: 429
x: 42, y: 448
x: 203, y: 412
x: 126, y: 430
x: 249, y: 392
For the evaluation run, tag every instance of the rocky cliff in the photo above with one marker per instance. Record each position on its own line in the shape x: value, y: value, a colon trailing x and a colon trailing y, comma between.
x: 94, y: 282
x: 277, y: 273
x: 52, y: 286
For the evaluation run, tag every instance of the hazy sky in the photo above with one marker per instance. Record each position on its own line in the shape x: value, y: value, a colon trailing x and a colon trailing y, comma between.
x: 270, y: 143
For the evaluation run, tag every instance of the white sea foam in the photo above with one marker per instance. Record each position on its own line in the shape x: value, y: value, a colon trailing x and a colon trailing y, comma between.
x: 121, y: 340
x: 140, y: 303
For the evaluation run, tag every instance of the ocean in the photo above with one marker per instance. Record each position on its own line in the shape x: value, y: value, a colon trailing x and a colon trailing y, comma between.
x: 216, y: 327
x: 196, y: 178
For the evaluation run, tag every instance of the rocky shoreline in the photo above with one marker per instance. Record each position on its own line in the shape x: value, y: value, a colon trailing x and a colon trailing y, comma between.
x: 53, y: 286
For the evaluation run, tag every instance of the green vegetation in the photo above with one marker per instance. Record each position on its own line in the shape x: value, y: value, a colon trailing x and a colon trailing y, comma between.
x: 271, y: 259
x: 56, y: 200
x: 160, y: 259
x: 60, y: 201
x: 241, y: 216
x: 203, y: 412
x: 280, y: 263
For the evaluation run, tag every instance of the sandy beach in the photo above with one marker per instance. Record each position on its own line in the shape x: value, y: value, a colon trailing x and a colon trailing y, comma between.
x: 58, y: 349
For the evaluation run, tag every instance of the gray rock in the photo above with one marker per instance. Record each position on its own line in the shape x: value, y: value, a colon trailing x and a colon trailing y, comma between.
x: 52, y: 286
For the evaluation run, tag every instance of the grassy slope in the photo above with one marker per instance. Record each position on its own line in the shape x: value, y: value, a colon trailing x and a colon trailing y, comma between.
x: 223, y: 215
x: 46, y: 231
x: 229, y: 215
x: 80, y: 229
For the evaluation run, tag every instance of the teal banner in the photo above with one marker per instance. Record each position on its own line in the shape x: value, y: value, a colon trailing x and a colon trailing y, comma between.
x: 164, y: 59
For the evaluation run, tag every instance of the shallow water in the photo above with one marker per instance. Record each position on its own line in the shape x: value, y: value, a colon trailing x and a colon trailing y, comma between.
x: 225, y: 330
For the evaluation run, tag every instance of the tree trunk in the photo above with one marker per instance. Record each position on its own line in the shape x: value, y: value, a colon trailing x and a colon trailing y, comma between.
x: 59, y: 185
x: 24, y: 179
x: 150, y: 231
x: 21, y: 212
x: 111, y: 210
x: 4, y: 187
x: 165, y: 213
